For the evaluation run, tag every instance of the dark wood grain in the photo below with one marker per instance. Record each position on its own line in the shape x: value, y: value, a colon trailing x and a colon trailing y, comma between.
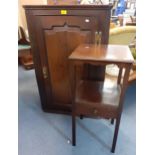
x: 95, y: 98
x: 92, y: 96
x: 99, y: 53
x: 53, y: 37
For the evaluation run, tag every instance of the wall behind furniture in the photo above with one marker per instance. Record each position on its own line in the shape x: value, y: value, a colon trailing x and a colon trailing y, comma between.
x: 62, y: 2
x: 21, y: 12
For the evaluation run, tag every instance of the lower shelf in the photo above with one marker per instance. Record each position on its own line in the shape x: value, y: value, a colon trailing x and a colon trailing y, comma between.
x: 97, y: 99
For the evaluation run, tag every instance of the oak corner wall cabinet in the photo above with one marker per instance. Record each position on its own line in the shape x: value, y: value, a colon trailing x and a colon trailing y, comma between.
x: 55, y: 31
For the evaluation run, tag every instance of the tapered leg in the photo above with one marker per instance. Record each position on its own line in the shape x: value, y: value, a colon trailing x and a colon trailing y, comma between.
x: 81, y: 116
x: 115, y: 135
x: 73, y: 130
x: 112, y: 121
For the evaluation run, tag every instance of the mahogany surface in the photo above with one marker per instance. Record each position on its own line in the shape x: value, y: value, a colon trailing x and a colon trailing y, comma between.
x: 97, y: 96
x: 100, y: 99
x: 106, y: 53
x: 55, y: 31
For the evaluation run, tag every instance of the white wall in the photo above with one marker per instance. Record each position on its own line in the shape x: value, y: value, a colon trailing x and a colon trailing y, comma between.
x: 21, y: 12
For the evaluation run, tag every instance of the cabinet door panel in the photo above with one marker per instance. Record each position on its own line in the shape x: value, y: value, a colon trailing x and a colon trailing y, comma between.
x: 53, y: 37
x: 60, y: 42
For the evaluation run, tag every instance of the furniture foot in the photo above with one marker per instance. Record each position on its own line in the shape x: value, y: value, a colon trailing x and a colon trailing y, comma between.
x: 115, y: 135
x: 112, y: 121
x: 73, y: 130
x: 81, y: 116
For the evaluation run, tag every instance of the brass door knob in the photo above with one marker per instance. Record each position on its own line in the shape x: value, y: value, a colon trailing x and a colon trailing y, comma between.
x: 45, y: 72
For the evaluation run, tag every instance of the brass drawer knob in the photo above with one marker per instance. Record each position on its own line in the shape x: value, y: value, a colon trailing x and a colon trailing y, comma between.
x: 95, y: 111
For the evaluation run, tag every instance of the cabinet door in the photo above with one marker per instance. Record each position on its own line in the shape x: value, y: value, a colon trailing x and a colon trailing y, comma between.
x: 59, y: 36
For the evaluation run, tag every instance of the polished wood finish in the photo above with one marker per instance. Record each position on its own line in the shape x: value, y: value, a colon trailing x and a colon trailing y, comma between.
x: 106, y: 53
x: 113, y: 53
x: 55, y: 31
x: 96, y: 98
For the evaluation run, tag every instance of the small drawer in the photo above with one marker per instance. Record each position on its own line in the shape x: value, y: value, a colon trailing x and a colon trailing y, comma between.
x: 93, y: 110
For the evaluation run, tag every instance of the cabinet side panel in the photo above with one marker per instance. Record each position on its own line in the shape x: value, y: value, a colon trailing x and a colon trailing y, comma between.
x: 36, y: 57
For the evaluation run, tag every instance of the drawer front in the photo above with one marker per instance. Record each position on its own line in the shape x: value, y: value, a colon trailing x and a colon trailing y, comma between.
x: 96, y: 111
